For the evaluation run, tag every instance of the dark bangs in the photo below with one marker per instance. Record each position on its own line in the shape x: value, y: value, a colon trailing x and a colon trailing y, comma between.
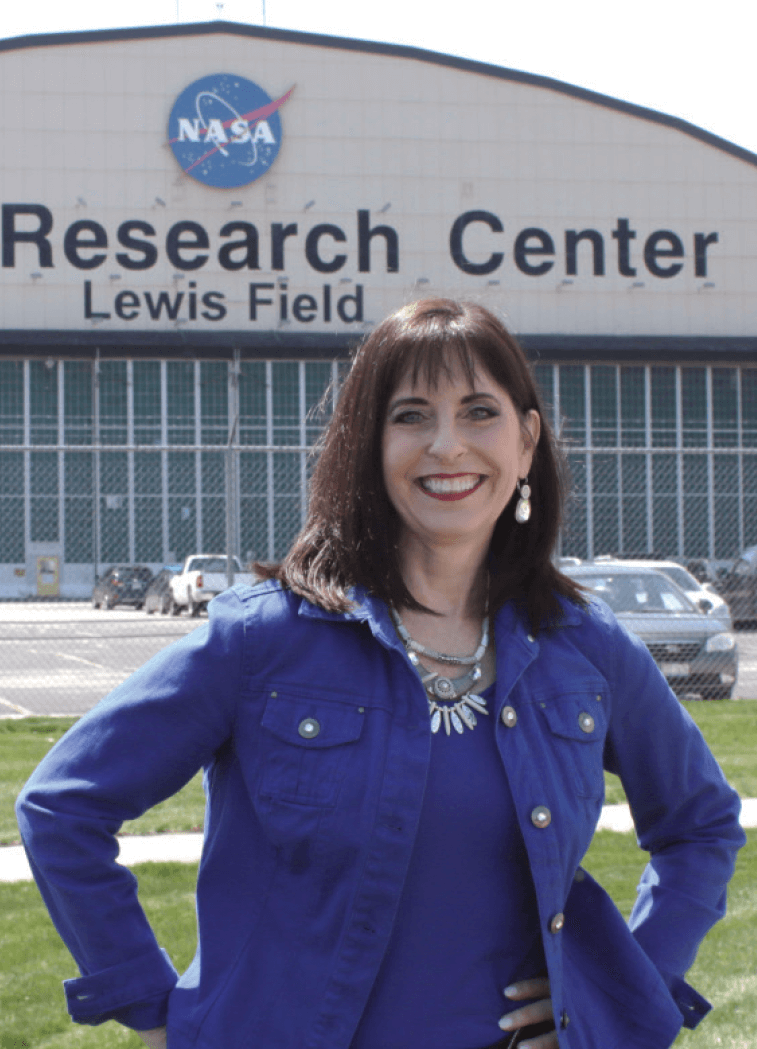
x: 436, y: 338
x: 350, y: 537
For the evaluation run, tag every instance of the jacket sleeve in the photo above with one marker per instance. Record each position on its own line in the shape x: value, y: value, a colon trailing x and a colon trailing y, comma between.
x: 686, y: 817
x: 138, y: 746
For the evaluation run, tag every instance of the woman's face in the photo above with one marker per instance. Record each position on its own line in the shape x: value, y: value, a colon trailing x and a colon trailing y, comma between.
x: 451, y: 456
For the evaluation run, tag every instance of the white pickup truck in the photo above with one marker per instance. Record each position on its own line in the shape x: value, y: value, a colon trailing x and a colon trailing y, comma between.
x: 202, y: 577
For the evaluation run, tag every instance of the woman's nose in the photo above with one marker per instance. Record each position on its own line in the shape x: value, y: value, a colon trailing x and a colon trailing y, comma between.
x: 446, y: 442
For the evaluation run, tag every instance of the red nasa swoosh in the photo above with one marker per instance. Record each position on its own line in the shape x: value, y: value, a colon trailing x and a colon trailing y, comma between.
x: 253, y: 115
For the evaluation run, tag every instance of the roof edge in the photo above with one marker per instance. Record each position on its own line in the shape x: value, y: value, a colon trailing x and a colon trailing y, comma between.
x: 545, y: 348
x: 397, y: 50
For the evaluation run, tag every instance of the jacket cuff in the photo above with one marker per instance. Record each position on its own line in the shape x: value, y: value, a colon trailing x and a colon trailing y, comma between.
x: 135, y: 993
x: 693, y: 1006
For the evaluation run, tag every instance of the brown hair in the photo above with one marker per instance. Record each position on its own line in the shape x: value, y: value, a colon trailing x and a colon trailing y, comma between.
x: 351, y: 531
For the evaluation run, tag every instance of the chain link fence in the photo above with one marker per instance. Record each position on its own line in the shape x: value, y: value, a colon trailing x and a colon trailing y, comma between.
x: 107, y: 462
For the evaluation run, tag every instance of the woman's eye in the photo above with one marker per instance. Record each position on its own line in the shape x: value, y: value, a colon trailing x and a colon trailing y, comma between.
x: 480, y: 411
x: 408, y: 418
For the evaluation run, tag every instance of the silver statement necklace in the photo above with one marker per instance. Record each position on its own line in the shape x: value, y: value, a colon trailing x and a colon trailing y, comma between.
x: 459, y: 704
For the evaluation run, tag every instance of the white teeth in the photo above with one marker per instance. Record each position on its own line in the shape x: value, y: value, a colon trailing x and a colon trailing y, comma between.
x: 450, y: 485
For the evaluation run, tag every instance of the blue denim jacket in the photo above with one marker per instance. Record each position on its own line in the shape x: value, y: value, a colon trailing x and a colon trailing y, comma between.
x: 313, y: 730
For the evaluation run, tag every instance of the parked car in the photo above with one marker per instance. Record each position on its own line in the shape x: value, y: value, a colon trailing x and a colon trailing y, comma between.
x: 739, y: 587
x: 121, y: 585
x: 202, y: 577
x: 158, y: 593
x: 703, y: 595
x: 691, y: 648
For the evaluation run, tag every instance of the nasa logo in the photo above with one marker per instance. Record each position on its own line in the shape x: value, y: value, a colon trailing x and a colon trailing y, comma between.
x: 225, y: 131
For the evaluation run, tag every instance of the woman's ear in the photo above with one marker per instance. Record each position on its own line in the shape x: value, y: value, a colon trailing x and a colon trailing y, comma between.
x: 531, y: 429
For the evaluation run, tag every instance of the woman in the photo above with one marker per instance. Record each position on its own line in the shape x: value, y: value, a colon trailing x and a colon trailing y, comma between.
x: 403, y: 731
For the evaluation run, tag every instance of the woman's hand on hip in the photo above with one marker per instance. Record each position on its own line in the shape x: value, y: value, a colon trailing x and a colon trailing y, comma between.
x: 155, y: 1037
x: 537, y: 1011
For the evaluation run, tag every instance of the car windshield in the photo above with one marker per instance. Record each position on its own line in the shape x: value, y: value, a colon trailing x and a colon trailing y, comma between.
x: 625, y: 592
x: 684, y: 579
x: 129, y: 573
x: 211, y: 564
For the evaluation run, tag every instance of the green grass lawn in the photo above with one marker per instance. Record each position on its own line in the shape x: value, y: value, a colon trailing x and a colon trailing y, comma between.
x: 32, y: 1010
x: 23, y: 744
x: 729, y: 728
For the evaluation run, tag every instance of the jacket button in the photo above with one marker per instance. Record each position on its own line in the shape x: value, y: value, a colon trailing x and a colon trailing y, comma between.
x: 308, y: 728
x: 586, y: 721
x: 509, y: 717
x: 541, y: 816
x: 564, y: 1019
x: 579, y: 875
x: 557, y: 922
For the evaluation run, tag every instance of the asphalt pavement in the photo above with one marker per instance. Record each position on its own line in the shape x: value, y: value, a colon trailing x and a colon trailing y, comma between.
x: 61, y: 658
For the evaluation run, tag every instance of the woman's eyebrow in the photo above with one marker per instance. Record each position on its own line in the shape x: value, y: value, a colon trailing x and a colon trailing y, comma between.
x: 402, y: 401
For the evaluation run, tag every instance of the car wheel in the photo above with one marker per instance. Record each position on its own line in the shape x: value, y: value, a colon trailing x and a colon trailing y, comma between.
x: 109, y: 604
x: 148, y: 608
x: 165, y: 606
x: 192, y: 608
x: 174, y: 609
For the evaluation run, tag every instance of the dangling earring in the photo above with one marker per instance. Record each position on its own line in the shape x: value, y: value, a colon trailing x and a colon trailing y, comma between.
x: 523, y: 509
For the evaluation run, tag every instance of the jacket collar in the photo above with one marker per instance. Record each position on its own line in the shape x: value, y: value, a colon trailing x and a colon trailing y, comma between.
x: 373, y: 611
x: 367, y: 609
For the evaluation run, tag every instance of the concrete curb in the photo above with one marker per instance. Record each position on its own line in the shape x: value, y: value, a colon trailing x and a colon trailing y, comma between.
x: 186, y: 848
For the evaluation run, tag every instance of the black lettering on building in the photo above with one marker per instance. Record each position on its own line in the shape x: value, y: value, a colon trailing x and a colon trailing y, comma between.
x: 214, y: 309
x: 350, y: 307
x: 89, y: 313
x: 279, y: 233
x: 248, y: 245
x: 365, y: 235
x: 304, y: 308
x: 38, y: 236
x: 163, y: 302
x: 573, y: 239
x: 255, y: 301
x: 75, y: 241
x: 654, y: 250
x: 701, y: 242
x: 624, y: 235
x: 457, y: 251
x: 187, y: 236
x: 312, y: 253
x: 524, y: 247
x: 144, y: 248
x: 127, y: 305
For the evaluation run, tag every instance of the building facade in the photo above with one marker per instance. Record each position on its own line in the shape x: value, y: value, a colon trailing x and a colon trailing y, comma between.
x: 199, y: 223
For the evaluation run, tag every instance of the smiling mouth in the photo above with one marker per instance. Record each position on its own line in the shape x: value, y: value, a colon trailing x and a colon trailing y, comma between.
x: 448, y: 487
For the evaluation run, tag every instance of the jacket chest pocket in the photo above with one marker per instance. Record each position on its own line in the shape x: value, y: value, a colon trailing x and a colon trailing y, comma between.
x: 577, y: 723
x: 308, y: 745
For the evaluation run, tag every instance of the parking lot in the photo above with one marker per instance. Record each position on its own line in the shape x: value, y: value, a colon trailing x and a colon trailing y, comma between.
x: 62, y: 658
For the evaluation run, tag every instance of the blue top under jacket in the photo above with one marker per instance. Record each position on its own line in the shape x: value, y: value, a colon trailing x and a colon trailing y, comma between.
x: 313, y: 730
x: 467, y: 924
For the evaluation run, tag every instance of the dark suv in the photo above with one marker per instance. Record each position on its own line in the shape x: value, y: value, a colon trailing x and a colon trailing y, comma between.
x: 121, y: 585
x: 739, y: 587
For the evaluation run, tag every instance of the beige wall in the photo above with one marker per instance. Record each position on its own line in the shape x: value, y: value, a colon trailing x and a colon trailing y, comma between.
x: 85, y: 135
